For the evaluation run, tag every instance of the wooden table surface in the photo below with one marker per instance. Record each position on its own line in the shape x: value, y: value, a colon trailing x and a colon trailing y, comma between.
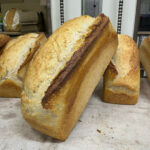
x: 102, y: 126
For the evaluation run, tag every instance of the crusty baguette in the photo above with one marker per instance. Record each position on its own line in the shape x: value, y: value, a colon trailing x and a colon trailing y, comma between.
x: 63, y: 74
x: 122, y: 77
x: 145, y: 55
x: 15, y: 55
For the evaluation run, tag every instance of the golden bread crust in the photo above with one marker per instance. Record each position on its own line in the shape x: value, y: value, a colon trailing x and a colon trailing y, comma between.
x: 123, y: 73
x: 96, y: 27
x: 56, y: 51
x: 66, y: 104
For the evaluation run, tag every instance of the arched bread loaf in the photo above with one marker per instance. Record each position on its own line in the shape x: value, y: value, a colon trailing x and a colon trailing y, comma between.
x: 64, y: 73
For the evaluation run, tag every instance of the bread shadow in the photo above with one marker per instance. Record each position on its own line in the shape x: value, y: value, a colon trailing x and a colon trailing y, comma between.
x: 44, y: 138
x: 22, y: 128
x: 144, y: 88
x: 98, y: 92
x: 31, y: 134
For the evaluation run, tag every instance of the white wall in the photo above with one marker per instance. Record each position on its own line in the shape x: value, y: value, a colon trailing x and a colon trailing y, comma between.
x: 72, y: 9
x: 128, y: 18
x: 55, y: 14
x: 110, y: 8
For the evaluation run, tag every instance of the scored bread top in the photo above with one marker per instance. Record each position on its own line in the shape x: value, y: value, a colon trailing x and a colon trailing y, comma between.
x: 53, y: 56
x: 126, y: 63
x: 14, y: 54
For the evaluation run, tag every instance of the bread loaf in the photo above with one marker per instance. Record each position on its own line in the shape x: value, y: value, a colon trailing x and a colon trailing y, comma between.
x: 13, y: 61
x: 64, y: 72
x: 122, y: 77
x: 145, y: 55
x: 11, y: 20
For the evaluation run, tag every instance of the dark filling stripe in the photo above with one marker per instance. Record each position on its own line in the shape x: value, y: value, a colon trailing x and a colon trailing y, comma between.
x: 77, y: 56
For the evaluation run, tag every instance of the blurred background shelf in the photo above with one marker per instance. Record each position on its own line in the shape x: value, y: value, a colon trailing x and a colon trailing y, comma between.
x: 34, y: 16
x: 12, y: 33
x: 142, y: 20
x: 19, y: 33
x: 28, y: 23
x: 143, y: 32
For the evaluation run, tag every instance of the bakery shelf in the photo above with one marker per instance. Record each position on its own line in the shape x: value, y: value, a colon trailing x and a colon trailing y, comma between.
x: 12, y: 33
x: 29, y: 23
x: 143, y: 32
x: 102, y: 126
x: 17, y: 33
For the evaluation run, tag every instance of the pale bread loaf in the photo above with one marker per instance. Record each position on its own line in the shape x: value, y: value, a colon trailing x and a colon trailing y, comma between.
x: 15, y: 55
x: 122, y: 77
x: 71, y: 63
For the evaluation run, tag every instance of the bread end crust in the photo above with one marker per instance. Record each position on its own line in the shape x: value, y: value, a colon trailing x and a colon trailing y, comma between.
x: 9, y: 88
x: 119, y: 98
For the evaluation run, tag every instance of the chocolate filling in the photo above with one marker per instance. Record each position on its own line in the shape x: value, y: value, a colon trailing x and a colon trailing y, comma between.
x: 77, y: 56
